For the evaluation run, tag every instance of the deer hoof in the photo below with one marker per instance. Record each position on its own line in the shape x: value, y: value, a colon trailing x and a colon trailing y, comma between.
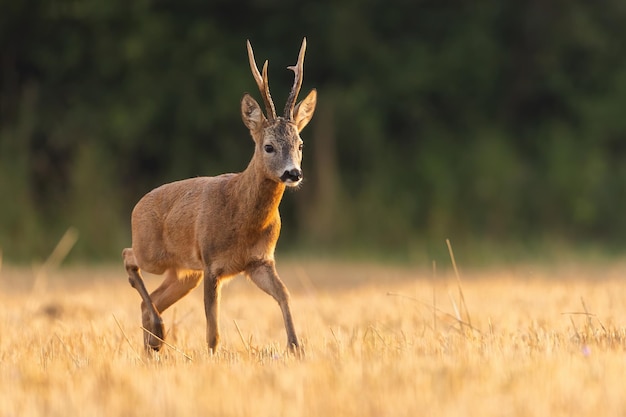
x: 155, y: 334
x: 296, y: 349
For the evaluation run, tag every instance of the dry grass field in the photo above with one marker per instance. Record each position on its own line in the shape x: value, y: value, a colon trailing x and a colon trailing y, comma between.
x: 380, y: 340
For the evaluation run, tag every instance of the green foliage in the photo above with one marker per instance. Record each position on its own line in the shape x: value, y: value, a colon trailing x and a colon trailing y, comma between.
x: 492, y: 120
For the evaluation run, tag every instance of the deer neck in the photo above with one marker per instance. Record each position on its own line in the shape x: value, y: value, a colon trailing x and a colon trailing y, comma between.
x: 261, y: 195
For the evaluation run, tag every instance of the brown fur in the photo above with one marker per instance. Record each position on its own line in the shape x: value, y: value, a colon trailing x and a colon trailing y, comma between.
x: 218, y: 227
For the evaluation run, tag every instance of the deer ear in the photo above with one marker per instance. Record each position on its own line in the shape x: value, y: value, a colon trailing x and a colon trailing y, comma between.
x: 303, y: 111
x: 251, y: 113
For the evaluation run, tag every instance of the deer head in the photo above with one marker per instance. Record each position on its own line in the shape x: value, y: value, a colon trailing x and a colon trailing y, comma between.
x: 277, y: 138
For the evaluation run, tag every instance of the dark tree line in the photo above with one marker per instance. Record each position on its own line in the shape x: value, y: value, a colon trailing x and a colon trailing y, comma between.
x: 489, y: 120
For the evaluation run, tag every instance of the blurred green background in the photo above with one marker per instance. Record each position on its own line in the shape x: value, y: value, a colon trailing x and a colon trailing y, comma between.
x: 498, y: 124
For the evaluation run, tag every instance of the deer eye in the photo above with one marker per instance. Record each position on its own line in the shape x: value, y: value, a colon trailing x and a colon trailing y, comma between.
x: 300, y: 147
x: 269, y: 148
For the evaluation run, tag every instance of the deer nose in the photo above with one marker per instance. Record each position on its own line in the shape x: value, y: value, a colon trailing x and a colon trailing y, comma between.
x: 294, y: 175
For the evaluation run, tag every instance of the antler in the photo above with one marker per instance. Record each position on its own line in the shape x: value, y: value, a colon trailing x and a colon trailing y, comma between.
x: 263, y: 84
x: 297, y: 83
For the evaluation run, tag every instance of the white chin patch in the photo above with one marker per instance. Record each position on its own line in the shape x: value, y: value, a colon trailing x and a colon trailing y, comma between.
x: 292, y: 183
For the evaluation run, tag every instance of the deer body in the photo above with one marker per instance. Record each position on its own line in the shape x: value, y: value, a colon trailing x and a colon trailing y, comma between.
x: 169, y: 231
x: 217, y: 227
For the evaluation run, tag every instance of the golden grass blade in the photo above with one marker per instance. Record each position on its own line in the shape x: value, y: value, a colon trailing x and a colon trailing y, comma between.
x: 59, y: 253
x: 67, y: 349
x: 336, y: 338
x: 589, y: 320
x: 438, y: 310
x: 457, y: 314
x: 375, y: 331
x: 174, y: 348
x: 127, y: 339
x: 241, y: 337
x: 578, y: 338
x: 458, y: 280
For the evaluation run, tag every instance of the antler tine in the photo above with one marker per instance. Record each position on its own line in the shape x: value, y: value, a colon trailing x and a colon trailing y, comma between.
x: 262, y: 82
x: 267, y: 97
x: 297, y: 83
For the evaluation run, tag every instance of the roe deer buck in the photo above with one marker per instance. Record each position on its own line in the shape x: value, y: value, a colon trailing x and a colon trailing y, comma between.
x: 217, y: 227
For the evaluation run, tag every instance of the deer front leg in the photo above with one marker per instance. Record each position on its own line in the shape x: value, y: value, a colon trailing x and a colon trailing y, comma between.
x: 264, y: 275
x: 150, y: 318
x: 212, y: 286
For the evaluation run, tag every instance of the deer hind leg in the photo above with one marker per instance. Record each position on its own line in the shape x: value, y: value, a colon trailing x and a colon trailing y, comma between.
x: 150, y: 317
x: 175, y: 286
x: 264, y: 275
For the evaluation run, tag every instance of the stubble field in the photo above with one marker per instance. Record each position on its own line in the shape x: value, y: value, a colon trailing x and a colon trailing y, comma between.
x: 522, y: 340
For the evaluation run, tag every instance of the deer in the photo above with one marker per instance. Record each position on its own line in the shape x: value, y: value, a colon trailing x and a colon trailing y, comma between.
x: 215, y: 228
